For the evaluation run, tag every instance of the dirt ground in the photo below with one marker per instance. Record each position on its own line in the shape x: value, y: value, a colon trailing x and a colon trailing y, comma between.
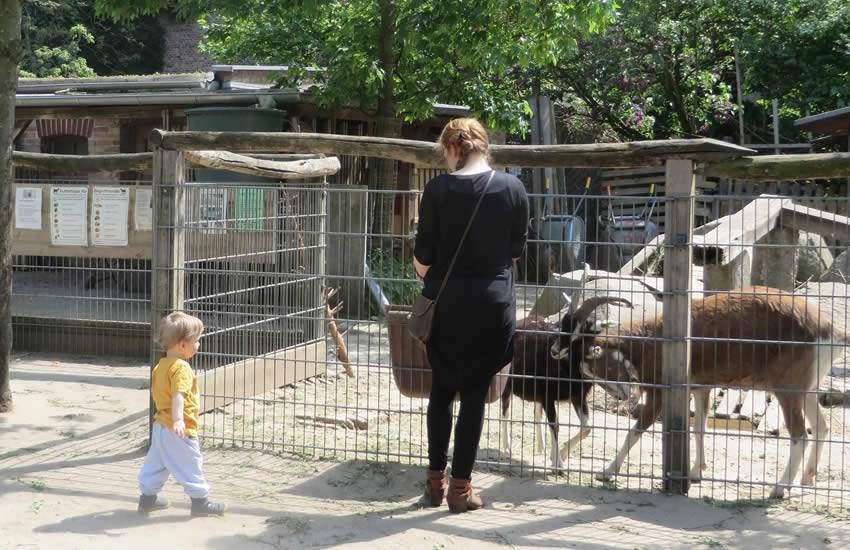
x: 70, y: 452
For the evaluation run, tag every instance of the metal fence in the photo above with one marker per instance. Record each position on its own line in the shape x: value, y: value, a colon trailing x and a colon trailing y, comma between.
x: 259, y: 262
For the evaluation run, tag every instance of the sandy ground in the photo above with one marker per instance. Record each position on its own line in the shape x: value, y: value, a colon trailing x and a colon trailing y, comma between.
x: 70, y: 451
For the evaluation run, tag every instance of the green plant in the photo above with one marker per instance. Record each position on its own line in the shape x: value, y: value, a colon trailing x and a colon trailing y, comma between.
x: 395, y: 276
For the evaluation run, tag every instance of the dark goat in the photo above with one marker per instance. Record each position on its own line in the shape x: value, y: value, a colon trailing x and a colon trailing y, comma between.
x: 539, y: 377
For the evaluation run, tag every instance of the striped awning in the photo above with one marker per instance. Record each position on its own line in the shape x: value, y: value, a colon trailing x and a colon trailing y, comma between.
x: 81, y: 127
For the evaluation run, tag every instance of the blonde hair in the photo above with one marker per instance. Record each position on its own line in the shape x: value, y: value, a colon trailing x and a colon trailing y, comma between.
x: 468, y: 135
x: 178, y: 327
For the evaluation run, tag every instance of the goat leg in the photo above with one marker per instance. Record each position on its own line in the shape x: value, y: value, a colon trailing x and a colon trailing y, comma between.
x: 647, y: 416
x: 539, y: 445
x: 820, y: 430
x: 506, y: 403
x: 552, y: 419
x: 792, y: 410
x: 584, y: 431
x: 701, y: 400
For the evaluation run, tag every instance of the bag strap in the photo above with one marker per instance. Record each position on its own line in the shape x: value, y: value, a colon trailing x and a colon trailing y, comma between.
x: 463, y: 238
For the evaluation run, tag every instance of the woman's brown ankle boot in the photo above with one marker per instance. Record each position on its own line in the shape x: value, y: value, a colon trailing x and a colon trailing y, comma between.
x: 435, y: 488
x: 461, y: 497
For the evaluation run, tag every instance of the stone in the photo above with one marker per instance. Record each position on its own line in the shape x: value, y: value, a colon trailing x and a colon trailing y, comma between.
x: 813, y: 257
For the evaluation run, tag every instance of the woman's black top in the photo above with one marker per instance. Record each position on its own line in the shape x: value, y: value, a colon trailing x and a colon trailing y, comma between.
x: 475, y: 320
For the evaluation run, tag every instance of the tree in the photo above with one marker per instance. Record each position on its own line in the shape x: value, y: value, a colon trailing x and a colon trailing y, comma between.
x: 666, y: 67
x: 661, y: 70
x: 66, y: 39
x: 799, y: 53
x: 397, y: 58
x: 11, y: 52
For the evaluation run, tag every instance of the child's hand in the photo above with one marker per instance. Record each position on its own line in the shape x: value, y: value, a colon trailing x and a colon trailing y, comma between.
x: 180, y: 428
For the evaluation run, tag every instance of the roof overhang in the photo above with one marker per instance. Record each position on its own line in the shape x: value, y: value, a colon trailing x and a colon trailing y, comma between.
x: 835, y: 122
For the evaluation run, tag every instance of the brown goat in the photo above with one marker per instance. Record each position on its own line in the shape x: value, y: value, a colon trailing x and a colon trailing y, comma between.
x: 757, y: 337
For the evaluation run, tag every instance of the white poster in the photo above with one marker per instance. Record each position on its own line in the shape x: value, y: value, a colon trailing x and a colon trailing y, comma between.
x: 212, y: 210
x: 109, y: 216
x: 28, y: 208
x: 143, y: 209
x: 68, y: 215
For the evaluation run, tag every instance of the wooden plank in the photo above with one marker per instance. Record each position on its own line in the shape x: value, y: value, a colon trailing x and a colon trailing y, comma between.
x: 676, y: 349
x: 782, y: 167
x: 639, y: 172
x: 169, y: 210
x: 257, y: 375
x: 83, y: 163
x: 640, y: 153
x: 243, y: 164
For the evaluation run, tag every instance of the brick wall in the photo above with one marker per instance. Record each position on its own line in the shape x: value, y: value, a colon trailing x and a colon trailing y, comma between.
x: 181, y: 45
x: 106, y: 137
x: 29, y: 142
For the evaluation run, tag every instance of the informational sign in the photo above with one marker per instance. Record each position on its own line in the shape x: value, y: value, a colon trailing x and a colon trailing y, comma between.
x: 143, y: 210
x: 109, y: 216
x: 68, y: 225
x: 212, y: 210
x: 28, y: 208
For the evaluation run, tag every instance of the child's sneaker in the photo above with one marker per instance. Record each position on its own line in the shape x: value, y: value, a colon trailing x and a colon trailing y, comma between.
x: 205, y: 507
x: 151, y: 503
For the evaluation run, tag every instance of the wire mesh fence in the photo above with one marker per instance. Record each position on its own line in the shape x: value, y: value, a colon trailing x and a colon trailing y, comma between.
x: 72, y: 292
x: 262, y: 260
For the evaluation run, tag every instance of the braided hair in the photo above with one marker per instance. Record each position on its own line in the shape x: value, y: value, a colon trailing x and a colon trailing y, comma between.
x: 468, y: 135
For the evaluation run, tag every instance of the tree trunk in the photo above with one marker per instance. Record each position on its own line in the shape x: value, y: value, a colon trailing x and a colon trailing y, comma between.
x: 10, y: 55
x: 383, y: 176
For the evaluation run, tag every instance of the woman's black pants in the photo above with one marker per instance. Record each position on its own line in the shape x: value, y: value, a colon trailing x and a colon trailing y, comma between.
x: 470, y: 422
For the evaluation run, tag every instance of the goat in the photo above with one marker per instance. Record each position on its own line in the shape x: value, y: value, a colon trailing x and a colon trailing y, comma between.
x: 770, y: 340
x: 539, y: 377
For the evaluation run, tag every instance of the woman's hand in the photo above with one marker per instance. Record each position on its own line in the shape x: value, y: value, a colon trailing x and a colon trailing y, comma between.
x: 421, y: 270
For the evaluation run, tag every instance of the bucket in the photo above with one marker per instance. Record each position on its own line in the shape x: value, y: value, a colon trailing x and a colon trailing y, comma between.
x: 410, y: 365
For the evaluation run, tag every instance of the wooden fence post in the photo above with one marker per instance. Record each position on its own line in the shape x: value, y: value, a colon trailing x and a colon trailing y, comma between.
x: 676, y: 354
x: 167, y: 264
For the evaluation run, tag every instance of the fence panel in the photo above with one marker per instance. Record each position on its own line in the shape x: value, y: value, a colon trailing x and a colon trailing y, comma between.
x: 261, y: 259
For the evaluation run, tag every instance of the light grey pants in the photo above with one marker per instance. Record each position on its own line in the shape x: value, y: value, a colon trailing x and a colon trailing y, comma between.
x: 170, y: 454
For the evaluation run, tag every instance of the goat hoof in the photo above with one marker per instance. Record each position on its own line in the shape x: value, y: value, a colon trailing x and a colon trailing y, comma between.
x: 807, y: 479
x: 778, y: 492
x: 604, y: 476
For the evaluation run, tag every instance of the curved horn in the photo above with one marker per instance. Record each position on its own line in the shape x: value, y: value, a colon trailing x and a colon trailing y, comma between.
x: 587, y: 307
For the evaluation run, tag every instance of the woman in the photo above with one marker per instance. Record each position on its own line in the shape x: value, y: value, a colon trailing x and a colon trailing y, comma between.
x: 475, y: 319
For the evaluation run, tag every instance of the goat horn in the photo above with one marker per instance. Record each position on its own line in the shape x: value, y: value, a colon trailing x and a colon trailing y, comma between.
x: 587, y: 307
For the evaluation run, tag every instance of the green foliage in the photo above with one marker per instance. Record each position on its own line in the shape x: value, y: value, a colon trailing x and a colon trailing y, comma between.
x: 666, y: 68
x: 657, y: 72
x: 66, y: 39
x: 395, y: 277
x: 482, y: 54
x: 799, y: 52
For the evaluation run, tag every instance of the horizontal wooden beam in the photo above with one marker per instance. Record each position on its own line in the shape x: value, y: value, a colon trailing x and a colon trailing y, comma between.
x: 424, y: 153
x: 83, y: 163
x: 223, y: 160
x: 781, y: 167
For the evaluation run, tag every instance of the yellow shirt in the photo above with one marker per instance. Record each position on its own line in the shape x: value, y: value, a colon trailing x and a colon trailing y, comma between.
x: 172, y: 375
